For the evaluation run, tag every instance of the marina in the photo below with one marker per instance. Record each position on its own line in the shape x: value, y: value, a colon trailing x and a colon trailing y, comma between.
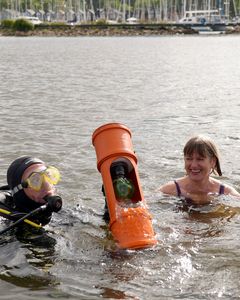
x: 132, y: 11
x: 75, y: 18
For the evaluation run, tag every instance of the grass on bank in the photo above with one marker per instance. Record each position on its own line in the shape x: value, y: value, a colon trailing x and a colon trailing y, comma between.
x: 17, y: 25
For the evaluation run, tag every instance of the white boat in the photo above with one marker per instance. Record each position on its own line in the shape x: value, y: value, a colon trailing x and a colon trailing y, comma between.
x: 206, y: 30
x: 132, y: 20
x: 204, y: 20
x: 33, y: 20
x: 211, y: 32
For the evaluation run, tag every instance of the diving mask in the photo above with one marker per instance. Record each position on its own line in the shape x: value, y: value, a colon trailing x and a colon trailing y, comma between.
x: 36, y: 179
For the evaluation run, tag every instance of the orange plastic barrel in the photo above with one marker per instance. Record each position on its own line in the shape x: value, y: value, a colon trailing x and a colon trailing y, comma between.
x: 112, y: 140
x: 132, y: 229
x: 131, y: 223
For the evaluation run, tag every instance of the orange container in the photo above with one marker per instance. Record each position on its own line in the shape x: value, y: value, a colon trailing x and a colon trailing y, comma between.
x: 112, y: 140
x: 130, y: 221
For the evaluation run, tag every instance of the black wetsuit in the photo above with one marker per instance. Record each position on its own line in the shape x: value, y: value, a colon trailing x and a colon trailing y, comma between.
x: 7, y: 209
x: 7, y: 203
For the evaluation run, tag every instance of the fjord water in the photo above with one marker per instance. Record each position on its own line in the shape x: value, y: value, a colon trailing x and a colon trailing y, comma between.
x: 54, y: 93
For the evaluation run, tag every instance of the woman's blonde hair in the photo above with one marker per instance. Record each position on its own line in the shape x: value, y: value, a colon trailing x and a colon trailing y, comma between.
x: 205, y: 147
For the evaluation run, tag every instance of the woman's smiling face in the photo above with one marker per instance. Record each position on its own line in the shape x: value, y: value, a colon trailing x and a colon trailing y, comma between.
x: 198, y: 167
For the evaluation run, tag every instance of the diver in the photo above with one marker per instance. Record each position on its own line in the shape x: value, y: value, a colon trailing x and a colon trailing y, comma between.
x: 30, y: 195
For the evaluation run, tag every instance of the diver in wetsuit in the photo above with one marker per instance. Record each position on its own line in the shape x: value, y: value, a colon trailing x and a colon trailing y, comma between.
x: 31, y: 185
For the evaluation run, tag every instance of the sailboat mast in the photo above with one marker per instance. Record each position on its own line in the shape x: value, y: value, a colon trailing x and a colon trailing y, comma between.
x: 184, y: 8
x: 234, y: 8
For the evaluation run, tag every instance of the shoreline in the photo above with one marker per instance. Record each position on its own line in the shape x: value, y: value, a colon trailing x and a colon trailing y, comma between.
x: 107, y: 30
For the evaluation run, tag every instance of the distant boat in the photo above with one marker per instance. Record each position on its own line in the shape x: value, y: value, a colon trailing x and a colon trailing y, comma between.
x: 33, y: 20
x: 132, y: 20
x: 204, y: 20
x: 207, y: 30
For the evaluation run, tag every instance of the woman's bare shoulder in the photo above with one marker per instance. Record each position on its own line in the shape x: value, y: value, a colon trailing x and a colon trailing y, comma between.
x: 168, y: 188
x: 229, y: 190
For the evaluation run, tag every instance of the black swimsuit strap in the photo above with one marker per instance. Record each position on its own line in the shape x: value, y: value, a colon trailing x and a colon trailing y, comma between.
x: 179, y: 193
x: 221, y: 189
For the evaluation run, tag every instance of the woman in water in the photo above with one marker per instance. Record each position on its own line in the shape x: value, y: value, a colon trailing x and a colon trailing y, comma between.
x: 201, y: 159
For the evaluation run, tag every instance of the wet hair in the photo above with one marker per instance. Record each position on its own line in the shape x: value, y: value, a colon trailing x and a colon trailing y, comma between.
x: 205, y: 147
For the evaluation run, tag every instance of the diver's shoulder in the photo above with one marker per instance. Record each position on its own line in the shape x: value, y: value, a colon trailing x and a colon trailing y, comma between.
x: 6, y: 197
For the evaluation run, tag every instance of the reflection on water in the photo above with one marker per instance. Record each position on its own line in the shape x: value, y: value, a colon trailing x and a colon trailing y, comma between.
x: 27, y: 259
x: 64, y: 257
x: 54, y: 93
x: 217, y: 207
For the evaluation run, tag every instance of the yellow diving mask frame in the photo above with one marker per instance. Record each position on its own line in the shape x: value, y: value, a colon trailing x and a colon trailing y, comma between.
x: 36, y: 179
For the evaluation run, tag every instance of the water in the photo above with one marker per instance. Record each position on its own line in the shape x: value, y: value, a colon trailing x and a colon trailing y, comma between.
x: 54, y: 93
